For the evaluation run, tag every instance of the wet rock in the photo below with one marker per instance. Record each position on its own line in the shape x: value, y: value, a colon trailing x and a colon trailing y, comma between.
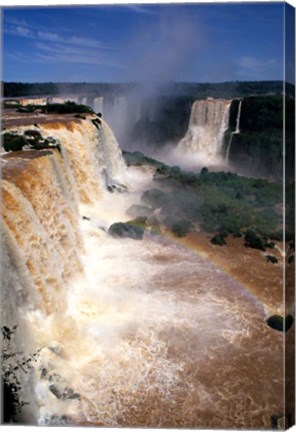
x: 44, y: 374
x: 281, y: 422
x: 55, y: 348
x: 51, y: 139
x: 54, y: 421
x: 279, y: 323
x: 218, y: 240
x: 274, y: 421
x: 271, y: 258
x: 112, y: 187
x: 63, y: 393
x: 290, y: 259
x: 139, y: 210
x: 153, y: 222
x: 126, y: 230
x: 253, y: 241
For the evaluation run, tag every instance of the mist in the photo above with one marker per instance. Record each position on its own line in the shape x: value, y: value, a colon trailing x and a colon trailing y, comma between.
x: 158, y: 54
x: 162, y: 51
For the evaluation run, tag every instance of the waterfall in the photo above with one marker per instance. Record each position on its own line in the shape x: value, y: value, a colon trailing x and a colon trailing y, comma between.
x: 119, y: 343
x: 98, y: 104
x: 42, y: 224
x: 42, y: 192
x: 94, y: 156
x: 115, y: 112
x: 108, y: 153
x: 236, y: 131
x: 44, y: 195
x: 208, y: 121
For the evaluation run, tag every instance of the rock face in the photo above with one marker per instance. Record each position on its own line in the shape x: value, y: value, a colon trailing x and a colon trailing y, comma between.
x: 63, y: 393
x: 139, y: 210
x: 258, y: 146
x: 279, y: 323
x: 126, y: 230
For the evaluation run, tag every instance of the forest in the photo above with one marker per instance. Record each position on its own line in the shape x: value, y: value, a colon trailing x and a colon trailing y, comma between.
x: 194, y: 90
x: 222, y: 203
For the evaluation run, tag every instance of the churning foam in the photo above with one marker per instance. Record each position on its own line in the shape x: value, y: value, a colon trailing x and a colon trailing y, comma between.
x: 149, y: 333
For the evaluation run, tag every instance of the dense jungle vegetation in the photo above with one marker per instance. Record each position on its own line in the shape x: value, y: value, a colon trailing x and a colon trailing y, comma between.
x: 196, y: 90
x: 258, y: 148
x: 221, y: 203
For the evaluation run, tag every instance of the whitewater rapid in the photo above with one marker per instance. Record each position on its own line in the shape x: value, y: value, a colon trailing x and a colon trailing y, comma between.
x: 154, y: 334
x: 138, y: 333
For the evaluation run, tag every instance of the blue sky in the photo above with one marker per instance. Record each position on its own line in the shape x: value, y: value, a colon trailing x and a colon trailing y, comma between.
x: 180, y: 42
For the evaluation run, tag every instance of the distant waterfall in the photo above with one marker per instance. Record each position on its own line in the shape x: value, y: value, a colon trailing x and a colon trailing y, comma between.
x: 236, y: 131
x: 127, y: 333
x: 98, y: 104
x: 113, y: 164
x: 84, y: 100
x: 208, y: 121
x: 115, y: 113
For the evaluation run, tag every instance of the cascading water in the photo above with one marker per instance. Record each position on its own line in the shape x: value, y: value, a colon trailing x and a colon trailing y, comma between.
x: 43, y: 248
x: 236, y: 131
x: 208, y: 121
x: 43, y: 224
x: 131, y: 333
x: 112, y: 163
x: 98, y: 104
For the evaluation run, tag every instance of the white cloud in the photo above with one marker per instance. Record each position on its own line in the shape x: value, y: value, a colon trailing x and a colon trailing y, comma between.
x: 54, y: 47
x: 252, y: 67
x: 254, y: 63
x: 17, y: 22
x: 18, y: 30
x: 25, y: 31
x: 140, y: 9
x: 72, y: 54
x: 47, y: 35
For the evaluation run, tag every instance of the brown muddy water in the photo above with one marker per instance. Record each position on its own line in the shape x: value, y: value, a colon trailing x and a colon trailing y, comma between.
x: 164, y: 338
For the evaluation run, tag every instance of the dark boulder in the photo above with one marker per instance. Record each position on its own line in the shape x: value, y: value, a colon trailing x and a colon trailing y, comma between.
x: 253, y: 241
x: 281, y: 421
x: 112, y: 187
x: 55, y: 421
x: 127, y: 230
x: 279, y: 323
x: 139, y: 210
x: 63, y: 393
x: 290, y: 259
x: 271, y: 258
x: 218, y: 239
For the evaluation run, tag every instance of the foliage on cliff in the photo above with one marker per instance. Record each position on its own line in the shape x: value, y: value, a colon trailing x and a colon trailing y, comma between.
x: 197, y: 90
x: 133, y: 229
x: 14, y: 366
x: 258, y: 148
x: 30, y: 139
x: 216, y: 202
x: 68, y: 107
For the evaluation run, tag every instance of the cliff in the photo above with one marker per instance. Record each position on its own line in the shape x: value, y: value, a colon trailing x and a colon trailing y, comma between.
x: 42, y: 191
x: 258, y: 148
